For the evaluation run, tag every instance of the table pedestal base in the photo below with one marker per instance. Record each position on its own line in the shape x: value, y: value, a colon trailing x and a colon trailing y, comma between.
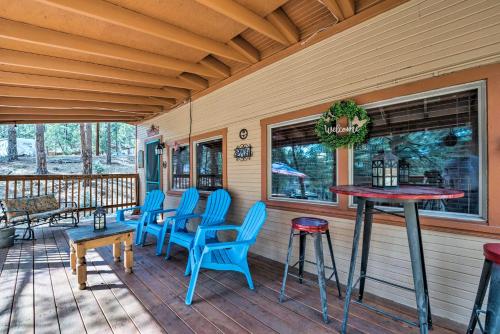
x: 366, y: 206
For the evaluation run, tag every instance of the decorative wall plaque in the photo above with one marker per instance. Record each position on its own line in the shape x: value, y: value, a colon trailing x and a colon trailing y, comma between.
x: 154, y: 130
x: 243, y: 134
x: 243, y: 152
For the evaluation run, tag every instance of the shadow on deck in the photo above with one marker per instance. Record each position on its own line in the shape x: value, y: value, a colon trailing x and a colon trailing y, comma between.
x: 39, y: 294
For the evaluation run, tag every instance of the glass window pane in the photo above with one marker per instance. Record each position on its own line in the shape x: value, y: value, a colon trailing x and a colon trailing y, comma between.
x: 302, y: 168
x: 209, y: 165
x: 180, y: 168
x: 438, y: 137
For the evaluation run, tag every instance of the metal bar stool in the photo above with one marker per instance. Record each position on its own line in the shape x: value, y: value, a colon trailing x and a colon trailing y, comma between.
x: 315, y: 227
x: 490, y: 276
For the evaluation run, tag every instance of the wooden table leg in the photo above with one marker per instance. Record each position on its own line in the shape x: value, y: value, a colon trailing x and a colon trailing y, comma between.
x: 129, y: 255
x: 81, y: 267
x: 72, y: 258
x: 117, y: 251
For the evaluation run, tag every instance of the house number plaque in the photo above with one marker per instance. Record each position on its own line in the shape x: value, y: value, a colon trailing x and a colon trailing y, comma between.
x: 243, y: 152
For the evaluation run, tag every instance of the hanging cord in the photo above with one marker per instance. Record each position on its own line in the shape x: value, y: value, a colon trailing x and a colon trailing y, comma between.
x: 190, y: 121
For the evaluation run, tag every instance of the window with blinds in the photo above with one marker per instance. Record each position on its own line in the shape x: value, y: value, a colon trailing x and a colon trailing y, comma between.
x: 180, y: 168
x: 209, y: 165
x: 439, y: 137
x: 301, y: 167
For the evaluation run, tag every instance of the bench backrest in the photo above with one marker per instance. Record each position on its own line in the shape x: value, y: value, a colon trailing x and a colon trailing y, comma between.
x: 15, y: 207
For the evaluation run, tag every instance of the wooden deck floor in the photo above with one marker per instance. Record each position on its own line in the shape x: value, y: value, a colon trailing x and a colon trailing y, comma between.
x: 39, y: 294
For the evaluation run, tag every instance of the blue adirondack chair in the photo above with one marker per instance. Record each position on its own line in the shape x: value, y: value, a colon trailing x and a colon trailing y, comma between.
x: 154, y: 201
x: 186, y: 206
x: 225, y: 255
x: 215, y: 214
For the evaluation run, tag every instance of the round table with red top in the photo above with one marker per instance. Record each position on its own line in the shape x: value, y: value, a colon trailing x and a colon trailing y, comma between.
x: 409, y: 196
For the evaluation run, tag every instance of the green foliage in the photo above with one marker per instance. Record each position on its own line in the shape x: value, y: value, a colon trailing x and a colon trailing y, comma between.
x: 65, y: 138
x: 98, y: 168
x: 329, y: 118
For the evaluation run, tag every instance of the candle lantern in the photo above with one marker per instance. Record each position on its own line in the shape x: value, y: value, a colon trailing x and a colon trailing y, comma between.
x: 404, y: 172
x: 159, y: 148
x: 99, y: 219
x: 385, y: 170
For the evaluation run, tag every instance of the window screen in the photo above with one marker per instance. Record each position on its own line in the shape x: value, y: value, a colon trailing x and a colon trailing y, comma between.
x: 438, y: 137
x: 301, y: 167
x: 209, y: 165
x: 180, y: 168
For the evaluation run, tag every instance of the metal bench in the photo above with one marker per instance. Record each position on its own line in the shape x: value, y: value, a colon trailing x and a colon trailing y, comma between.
x: 35, y: 211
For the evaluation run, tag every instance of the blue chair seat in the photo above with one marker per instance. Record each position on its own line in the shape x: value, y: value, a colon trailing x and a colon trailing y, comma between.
x: 154, y: 201
x: 186, y: 207
x: 230, y: 255
x: 215, y: 214
x: 155, y: 227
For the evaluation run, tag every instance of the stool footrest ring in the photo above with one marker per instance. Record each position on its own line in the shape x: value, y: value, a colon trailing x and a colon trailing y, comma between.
x: 385, y: 313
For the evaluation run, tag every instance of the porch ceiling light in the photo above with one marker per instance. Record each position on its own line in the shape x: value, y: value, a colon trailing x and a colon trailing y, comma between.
x: 159, y: 148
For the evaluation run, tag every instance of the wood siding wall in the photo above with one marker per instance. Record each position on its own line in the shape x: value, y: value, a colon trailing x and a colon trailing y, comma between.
x: 417, y: 40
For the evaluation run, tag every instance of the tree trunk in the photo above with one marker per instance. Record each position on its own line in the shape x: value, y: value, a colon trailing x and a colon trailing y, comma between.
x: 108, y: 144
x: 86, y: 147
x: 12, y: 143
x: 41, y: 156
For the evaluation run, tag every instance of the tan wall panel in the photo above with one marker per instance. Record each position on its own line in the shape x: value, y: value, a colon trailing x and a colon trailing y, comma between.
x: 417, y: 40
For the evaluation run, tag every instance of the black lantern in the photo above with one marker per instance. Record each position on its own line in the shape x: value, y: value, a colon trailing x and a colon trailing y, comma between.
x: 404, y: 172
x: 99, y: 219
x: 385, y: 170
x: 159, y: 148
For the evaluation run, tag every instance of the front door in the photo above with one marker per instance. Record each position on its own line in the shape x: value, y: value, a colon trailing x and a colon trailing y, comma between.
x: 152, y: 166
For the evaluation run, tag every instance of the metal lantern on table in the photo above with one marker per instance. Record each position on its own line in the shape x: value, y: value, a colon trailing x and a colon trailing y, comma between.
x: 99, y: 219
x: 385, y: 170
x: 404, y: 172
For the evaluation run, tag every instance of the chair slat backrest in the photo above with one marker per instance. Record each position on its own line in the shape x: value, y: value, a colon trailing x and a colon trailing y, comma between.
x: 187, y: 205
x: 253, y: 222
x: 216, y: 209
x: 154, y: 201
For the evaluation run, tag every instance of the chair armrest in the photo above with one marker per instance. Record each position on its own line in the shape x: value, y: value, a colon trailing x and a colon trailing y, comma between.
x: 159, y: 211
x: 130, y: 209
x: 174, y: 219
x: 225, y: 245
x: 73, y: 204
x: 199, y: 239
x: 220, y: 228
x: 26, y: 213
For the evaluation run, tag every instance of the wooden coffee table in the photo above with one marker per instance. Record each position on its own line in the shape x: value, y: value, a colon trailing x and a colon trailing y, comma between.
x: 84, y: 238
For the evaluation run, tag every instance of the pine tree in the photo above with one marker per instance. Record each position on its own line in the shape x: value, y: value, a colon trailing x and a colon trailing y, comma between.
x: 12, y: 143
x: 41, y: 156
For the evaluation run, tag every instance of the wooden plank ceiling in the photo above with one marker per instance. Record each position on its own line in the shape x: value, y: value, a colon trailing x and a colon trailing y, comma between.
x: 128, y: 60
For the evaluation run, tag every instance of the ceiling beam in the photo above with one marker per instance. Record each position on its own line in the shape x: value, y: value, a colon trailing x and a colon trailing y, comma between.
x: 195, y: 80
x: 107, y: 12
x: 178, y: 93
x: 283, y: 23
x: 242, y: 45
x: 29, y: 119
x: 68, y: 104
x: 41, y: 93
x: 33, y: 35
x: 245, y: 16
x: 217, y: 66
x: 72, y: 112
x: 334, y: 8
x: 348, y: 7
x: 40, y: 81
x: 62, y: 66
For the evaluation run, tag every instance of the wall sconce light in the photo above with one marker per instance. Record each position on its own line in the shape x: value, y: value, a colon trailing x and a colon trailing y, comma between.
x: 164, y: 164
x: 159, y: 148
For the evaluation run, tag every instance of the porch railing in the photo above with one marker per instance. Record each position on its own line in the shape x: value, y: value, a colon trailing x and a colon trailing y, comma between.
x: 111, y: 191
x: 180, y: 181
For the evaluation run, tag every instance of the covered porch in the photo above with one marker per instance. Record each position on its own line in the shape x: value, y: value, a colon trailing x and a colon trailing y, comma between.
x: 241, y: 98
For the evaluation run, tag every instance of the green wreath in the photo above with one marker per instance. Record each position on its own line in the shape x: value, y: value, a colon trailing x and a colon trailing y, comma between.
x: 358, y: 125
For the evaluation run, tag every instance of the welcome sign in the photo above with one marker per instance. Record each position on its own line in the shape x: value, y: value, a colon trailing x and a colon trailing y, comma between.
x: 343, y: 124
